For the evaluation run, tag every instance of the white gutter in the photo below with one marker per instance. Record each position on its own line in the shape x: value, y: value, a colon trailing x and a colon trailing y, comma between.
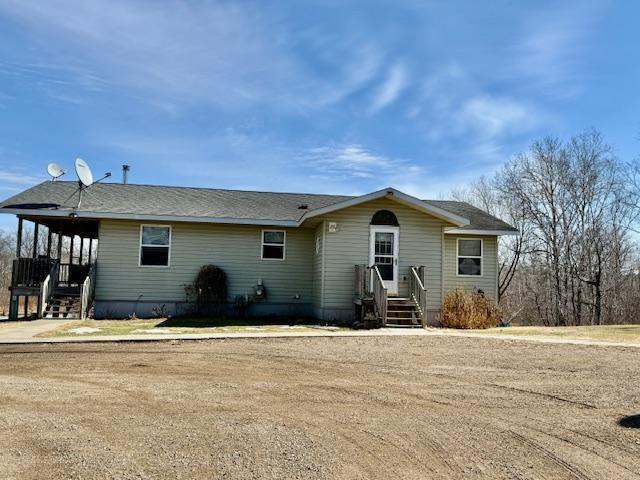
x: 470, y: 231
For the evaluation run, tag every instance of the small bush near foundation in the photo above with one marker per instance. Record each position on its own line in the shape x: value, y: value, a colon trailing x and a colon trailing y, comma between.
x: 208, y: 292
x: 462, y: 309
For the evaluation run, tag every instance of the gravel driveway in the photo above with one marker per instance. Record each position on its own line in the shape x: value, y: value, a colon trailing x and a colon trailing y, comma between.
x: 310, y: 408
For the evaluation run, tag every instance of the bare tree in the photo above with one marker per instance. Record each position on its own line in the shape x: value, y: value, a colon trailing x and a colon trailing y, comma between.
x: 575, y: 205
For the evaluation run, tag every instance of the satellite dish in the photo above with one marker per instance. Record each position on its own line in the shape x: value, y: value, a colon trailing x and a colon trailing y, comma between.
x: 55, y: 170
x: 84, y: 173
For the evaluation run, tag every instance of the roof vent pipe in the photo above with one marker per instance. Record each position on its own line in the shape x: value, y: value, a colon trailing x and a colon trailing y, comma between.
x: 125, y: 174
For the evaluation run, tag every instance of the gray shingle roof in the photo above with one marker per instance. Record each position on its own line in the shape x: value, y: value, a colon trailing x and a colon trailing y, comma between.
x: 479, y: 219
x: 151, y: 200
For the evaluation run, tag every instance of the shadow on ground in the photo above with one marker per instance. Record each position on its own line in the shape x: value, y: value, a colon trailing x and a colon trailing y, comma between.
x: 632, y: 421
x: 194, y: 322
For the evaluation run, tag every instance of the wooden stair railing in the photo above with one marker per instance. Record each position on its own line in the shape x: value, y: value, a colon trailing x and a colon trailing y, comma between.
x: 87, y: 291
x: 47, y: 287
x: 379, y: 292
x: 418, y: 293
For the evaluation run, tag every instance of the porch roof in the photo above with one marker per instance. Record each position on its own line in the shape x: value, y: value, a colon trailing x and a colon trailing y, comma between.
x: 165, y: 203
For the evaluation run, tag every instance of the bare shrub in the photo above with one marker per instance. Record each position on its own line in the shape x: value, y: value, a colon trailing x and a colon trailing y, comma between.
x: 208, y: 291
x: 462, y: 309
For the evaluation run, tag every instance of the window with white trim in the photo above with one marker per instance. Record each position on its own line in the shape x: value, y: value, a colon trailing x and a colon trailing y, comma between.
x: 155, y: 245
x: 469, y: 257
x: 273, y: 244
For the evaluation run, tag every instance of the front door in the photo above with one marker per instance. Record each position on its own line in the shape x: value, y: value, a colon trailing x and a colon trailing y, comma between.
x: 383, y: 252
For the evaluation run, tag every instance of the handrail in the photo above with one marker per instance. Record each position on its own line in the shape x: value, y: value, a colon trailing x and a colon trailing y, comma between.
x: 379, y: 294
x: 87, y: 292
x: 47, y: 287
x: 418, y: 292
x: 45, y: 292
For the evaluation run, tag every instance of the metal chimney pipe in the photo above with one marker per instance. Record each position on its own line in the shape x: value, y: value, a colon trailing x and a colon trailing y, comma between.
x: 125, y: 173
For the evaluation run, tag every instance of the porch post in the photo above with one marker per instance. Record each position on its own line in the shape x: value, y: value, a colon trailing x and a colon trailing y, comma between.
x: 26, y: 306
x: 90, y: 249
x: 19, y: 238
x: 81, y: 250
x: 35, y: 239
x: 49, y: 238
x: 70, y: 249
x: 13, y: 307
x: 60, y: 238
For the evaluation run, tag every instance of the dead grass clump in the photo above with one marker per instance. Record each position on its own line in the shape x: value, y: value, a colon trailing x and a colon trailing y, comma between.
x: 462, y: 309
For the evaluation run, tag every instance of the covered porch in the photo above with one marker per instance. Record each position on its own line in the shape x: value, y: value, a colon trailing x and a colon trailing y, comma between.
x: 53, y: 273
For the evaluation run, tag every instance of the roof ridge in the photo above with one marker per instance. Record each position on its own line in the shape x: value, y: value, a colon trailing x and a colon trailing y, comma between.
x: 211, y: 189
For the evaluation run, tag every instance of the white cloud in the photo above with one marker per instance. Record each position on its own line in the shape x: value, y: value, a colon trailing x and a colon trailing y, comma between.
x: 552, y: 44
x: 353, y: 161
x: 221, y: 54
x: 492, y: 117
x: 396, y: 81
x: 19, y: 177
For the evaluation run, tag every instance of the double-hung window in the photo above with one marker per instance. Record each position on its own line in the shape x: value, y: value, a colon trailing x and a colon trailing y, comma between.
x: 273, y: 244
x: 469, y: 257
x: 155, y: 245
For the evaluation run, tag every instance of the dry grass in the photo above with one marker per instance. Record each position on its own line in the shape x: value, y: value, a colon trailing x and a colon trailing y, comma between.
x: 608, y: 333
x: 176, y: 326
x: 462, y: 309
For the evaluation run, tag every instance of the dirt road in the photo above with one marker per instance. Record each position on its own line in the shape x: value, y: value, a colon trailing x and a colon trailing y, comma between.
x: 311, y: 408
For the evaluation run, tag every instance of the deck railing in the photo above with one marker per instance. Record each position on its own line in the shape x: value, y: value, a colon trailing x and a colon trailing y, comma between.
x: 30, y: 272
x: 417, y: 292
x: 379, y: 292
x: 362, y: 276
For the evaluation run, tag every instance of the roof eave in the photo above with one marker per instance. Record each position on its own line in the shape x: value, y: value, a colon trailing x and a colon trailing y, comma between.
x: 159, y: 218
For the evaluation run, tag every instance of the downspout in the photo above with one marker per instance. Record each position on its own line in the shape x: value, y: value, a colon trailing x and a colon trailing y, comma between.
x: 323, y: 250
x: 442, y: 266
x: 497, y: 297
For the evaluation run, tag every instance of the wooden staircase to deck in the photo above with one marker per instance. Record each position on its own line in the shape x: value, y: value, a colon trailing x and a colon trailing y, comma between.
x: 402, y: 312
x: 63, y: 305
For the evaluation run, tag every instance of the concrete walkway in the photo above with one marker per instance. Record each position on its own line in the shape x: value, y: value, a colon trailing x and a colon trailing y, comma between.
x: 26, y: 333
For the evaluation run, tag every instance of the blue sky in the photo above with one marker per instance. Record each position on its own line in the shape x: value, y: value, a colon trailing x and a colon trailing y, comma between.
x: 315, y: 96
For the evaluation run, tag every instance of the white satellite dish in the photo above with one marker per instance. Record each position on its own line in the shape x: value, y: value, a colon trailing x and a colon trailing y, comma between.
x: 84, y: 173
x: 55, y: 170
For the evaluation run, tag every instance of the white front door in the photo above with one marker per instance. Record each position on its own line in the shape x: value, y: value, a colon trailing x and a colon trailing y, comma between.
x: 383, y: 252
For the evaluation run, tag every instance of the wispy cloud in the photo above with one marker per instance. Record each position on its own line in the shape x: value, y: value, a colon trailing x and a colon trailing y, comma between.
x: 549, y: 53
x: 225, y: 55
x: 352, y: 161
x: 395, y: 82
x: 18, y: 177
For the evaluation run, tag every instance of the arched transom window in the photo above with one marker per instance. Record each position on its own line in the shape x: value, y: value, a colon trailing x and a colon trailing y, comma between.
x: 384, y: 217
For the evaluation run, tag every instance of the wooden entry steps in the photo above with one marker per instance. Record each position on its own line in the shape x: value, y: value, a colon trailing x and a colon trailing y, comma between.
x: 402, y: 312
x: 63, y: 305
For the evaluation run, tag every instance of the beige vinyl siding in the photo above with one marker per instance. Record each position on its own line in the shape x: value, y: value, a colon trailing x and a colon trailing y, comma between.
x: 487, y: 282
x: 234, y: 248
x: 420, y: 244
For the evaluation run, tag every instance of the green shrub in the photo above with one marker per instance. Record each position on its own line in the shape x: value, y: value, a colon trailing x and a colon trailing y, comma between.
x: 461, y: 309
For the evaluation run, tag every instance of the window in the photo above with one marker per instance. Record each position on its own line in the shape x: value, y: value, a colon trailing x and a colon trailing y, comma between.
x: 155, y: 245
x: 273, y: 242
x: 469, y: 257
